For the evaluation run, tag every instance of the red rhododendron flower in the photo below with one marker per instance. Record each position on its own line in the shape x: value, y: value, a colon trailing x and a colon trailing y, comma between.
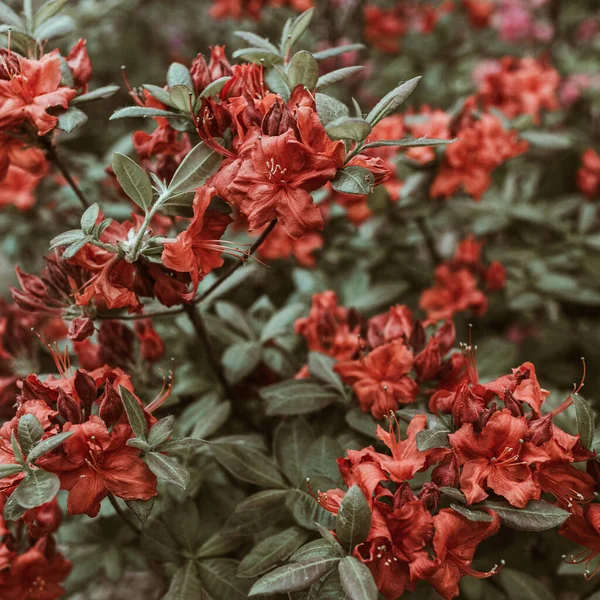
x: 468, y: 163
x: 497, y: 458
x: 588, y: 175
x: 80, y: 64
x: 95, y: 463
x: 454, y: 543
x: 27, y: 93
x: 380, y: 380
x: 520, y: 86
x: 37, y: 574
x: 198, y: 249
x: 280, y: 245
x: 584, y: 530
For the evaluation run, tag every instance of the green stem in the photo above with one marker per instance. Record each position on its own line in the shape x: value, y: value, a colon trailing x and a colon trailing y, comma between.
x: 122, y: 515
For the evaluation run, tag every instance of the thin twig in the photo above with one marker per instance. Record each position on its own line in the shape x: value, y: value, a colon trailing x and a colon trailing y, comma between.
x: 121, y: 514
x: 60, y: 165
x: 436, y: 257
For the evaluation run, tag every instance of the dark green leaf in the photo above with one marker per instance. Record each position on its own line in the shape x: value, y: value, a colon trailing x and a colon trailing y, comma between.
x: 329, y: 109
x: 409, y: 143
x: 29, y: 432
x: 240, y: 360
x: 357, y: 580
x: 296, y: 397
x: 133, y: 179
x: 337, y: 75
x: 348, y: 128
x: 46, y: 11
x: 54, y: 27
x: 160, y: 431
x: 13, y: 511
x: 306, y: 511
x: 67, y: 238
x: 303, y: 69
x: 185, y: 584
x: 258, y: 55
x: 198, y: 165
x: 432, y: 438
x: 142, y: 111
x: 248, y: 464
x: 354, y: 518
x: 336, y: 51
x: 9, y: 17
x: 257, y: 41
x: 536, y: 516
x: 472, y: 515
x: 135, y: 413
x: 272, y: 550
x: 47, y: 445
x: 292, y: 439
x: 71, y: 119
x: 353, y: 180
x: 179, y: 74
x: 168, y: 469
x: 292, y: 577
x: 522, y: 586
x: 218, y: 576
x: 141, y: 508
x: 585, y: 420
x: 316, y: 550
x: 391, y: 101
x: 98, y: 94
x: 37, y: 488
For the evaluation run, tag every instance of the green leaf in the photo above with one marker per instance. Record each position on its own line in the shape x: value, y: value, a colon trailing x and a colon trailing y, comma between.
x: 298, y: 27
x: 303, y: 69
x: 292, y: 577
x: 179, y: 74
x: 329, y: 109
x: 353, y: 180
x: 181, y: 444
x: 454, y: 493
x: 89, y: 218
x: 67, y: 238
x: 332, y: 52
x: 282, y: 322
x: 135, y: 413
x: 211, y: 420
x: 271, y: 551
x: 47, y: 445
x: 218, y: 576
x: 159, y: 93
x: 409, y: 143
x: 9, y: 469
x: 142, y: 111
x: 354, y: 518
x: 248, y: 464
x: 536, y: 516
x: 348, y: 128
x: 46, y: 11
x: 217, y: 545
x: 133, y: 179
x: 98, y: 94
x: 432, y: 438
x: 307, y: 512
x: 362, y: 422
x: 13, y: 511
x: 29, y: 432
x: 585, y: 420
x: 185, y: 584
x: 522, y: 586
x: 356, y: 579
x: 71, y: 119
x: 182, y: 98
x: 160, y: 431
x: 337, y: 75
x: 251, y: 515
x: 547, y: 140
x: 292, y: 440
x: 316, y: 550
x: 199, y: 164
x: 54, y: 27
x: 141, y: 508
x: 16, y: 449
x: 296, y: 397
x: 9, y: 17
x: 321, y: 368
x: 472, y: 515
x: 240, y: 360
x: 37, y: 488
x: 391, y: 101
x: 258, y: 55
x: 168, y: 469
x: 257, y: 41
x: 213, y: 88
x: 74, y: 248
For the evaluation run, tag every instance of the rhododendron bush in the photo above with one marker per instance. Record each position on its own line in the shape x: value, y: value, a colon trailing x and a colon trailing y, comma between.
x: 300, y: 299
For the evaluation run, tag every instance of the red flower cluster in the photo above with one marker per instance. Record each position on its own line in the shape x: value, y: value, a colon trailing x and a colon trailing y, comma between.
x: 384, y: 358
x: 520, y: 86
x: 588, y: 175
x: 410, y: 539
x: 238, y: 9
x: 483, y: 144
x: 456, y: 286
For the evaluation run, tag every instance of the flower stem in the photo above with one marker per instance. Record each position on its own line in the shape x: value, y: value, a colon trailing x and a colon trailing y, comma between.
x: 122, y: 515
x: 435, y: 256
x: 62, y: 167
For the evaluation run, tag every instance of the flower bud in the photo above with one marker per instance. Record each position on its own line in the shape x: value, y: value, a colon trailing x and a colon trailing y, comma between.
x: 199, y: 73
x: 111, y: 405
x: 80, y: 64
x: 540, y: 430
x: 429, y: 496
x: 85, y: 386
x: 80, y: 328
x: 428, y: 362
x: 446, y: 473
x: 515, y: 407
x: 68, y: 408
x: 152, y: 347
